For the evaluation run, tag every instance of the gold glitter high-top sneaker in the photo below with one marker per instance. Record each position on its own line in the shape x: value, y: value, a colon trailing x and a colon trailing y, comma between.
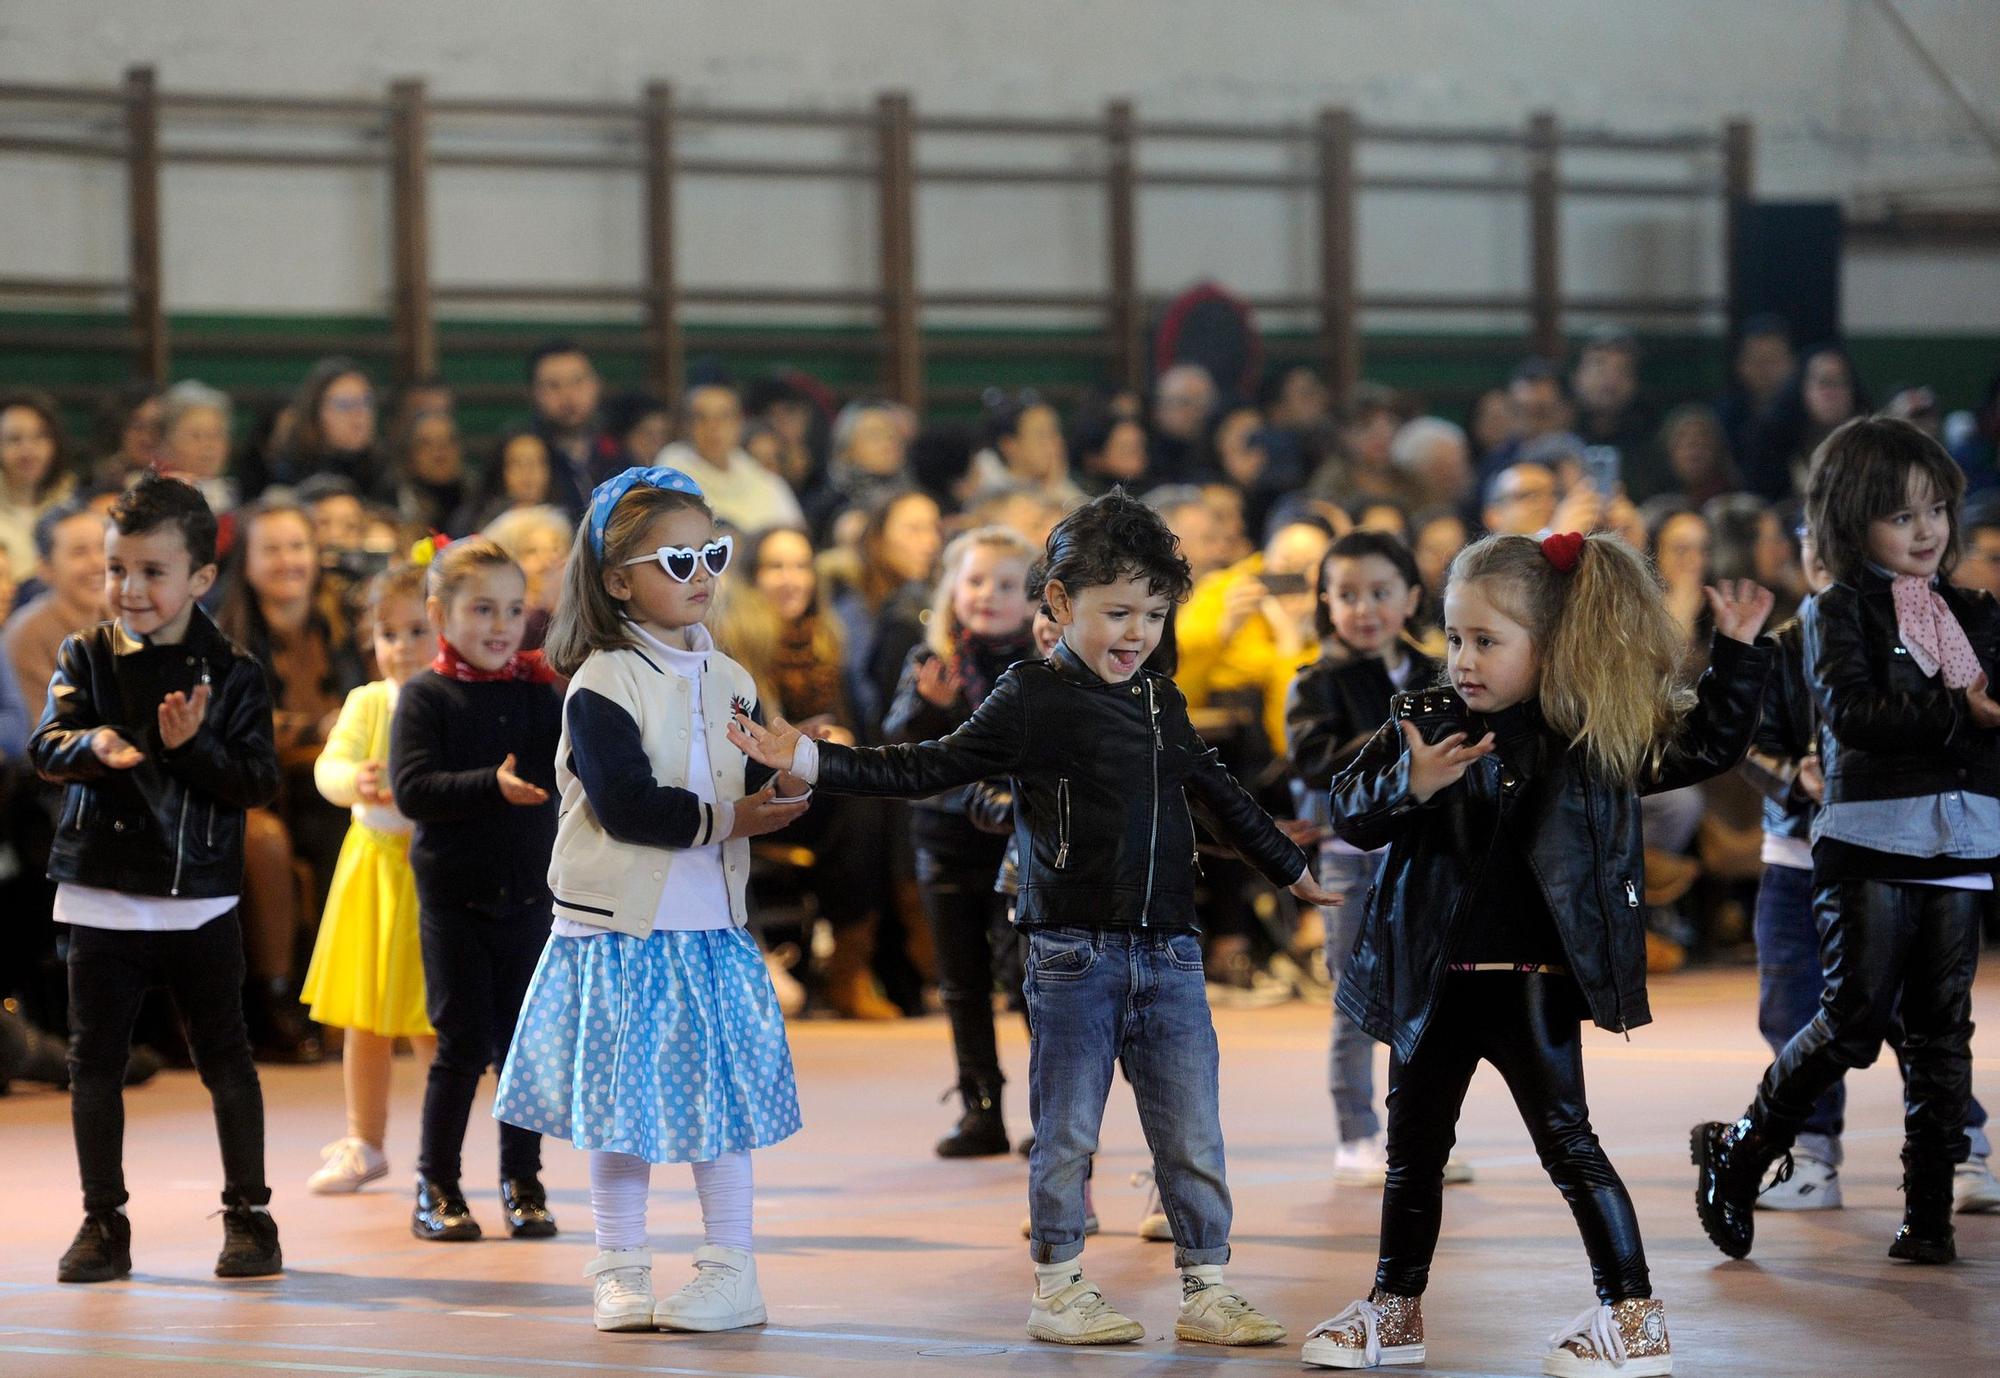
x: 1628, y: 1339
x: 1384, y: 1329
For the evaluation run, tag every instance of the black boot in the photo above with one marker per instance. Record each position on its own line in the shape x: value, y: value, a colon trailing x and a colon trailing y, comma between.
x: 441, y: 1214
x: 249, y: 1244
x: 980, y: 1133
x: 1926, y: 1235
x: 527, y: 1206
x: 1730, y: 1160
x: 101, y: 1251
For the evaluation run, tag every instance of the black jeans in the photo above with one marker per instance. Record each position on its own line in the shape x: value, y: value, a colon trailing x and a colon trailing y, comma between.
x: 964, y: 913
x: 477, y: 966
x: 1887, y: 947
x: 202, y: 968
x: 1530, y: 1028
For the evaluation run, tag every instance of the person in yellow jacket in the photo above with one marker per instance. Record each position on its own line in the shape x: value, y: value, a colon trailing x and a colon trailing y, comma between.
x: 1251, y: 625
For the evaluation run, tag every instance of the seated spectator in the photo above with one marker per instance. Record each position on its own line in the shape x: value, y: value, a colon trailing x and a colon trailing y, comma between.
x: 867, y: 466
x: 1439, y: 535
x: 1697, y: 453
x: 1538, y: 405
x: 430, y: 470
x: 1918, y: 405
x: 1030, y: 512
x: 334, y: 432
x: 1679, y: 542
x: 1977, y: 449
x: 34, y: 476
x: 882, y: 607
x: 741, y: 492
x: 69, y: 541
x: 1295, y: 401
x: 1250, y: 627
x: 128, y: 434
x: 1225, y: 500
x: 1750, y: 542
x: 1194, y: 524
x: 1025, y: 448
x: 940, y: 462
x: 1184, y: 398
x: 1520, y: 501
x: 1821, y: 393
x: 1611, y: 411
x: 1436, y: 462
x: 1244, y: 453
x: 1490, y: 424
x: 276, y: 604
x: 1762, y: 363
x: 194, y: 441
x: 1110, y: 452
x: 339, y: 517
x: 793, y: 410
x: 520, y: 474
x: 640, y: 425
x: 776, y: 625
x: 1365, y: 462
x: 1378, y: 514
x: 538, y: 539
x: 564, y: 390
x: 1979, y: 565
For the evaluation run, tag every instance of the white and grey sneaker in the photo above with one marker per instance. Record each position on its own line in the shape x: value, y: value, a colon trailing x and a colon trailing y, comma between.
x: 1813, y: 1185
x: 1218, y: 1315
x: 1079, y: 1315
x: 722, y: 1295
x: 1973, y: 1188
x: 349, y: 1165
x: 1361, y: 1162
x: 623, y: 1299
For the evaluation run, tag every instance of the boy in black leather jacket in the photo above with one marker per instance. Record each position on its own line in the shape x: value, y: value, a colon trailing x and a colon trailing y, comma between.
x: 160, y: 728
x: 1107, y: 772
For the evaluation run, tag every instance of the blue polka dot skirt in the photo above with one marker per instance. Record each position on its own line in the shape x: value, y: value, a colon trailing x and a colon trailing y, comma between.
x: 669, y: 1047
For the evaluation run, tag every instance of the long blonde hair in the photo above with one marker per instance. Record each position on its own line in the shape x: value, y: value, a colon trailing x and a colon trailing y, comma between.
x: 1610, y: 651
x: 942, y: 633
x: 747, y: 628
x: 587, y: 618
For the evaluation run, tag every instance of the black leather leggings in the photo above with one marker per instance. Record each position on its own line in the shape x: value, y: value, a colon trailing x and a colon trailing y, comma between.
x: 966, y: 919
x: 1883, y: 942
x: 1530, y: 1028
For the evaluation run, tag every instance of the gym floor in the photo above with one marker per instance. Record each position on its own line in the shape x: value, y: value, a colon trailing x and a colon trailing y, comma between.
x: 878, y: 1258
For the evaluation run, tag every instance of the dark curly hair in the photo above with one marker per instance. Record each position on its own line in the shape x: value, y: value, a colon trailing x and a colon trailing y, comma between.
x: 156, y: 501
x: 1111, y: 538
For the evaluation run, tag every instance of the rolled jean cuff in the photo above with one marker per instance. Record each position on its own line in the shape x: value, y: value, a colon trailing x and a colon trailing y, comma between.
x: 1056, y: 1253
x: 1195, y: 1258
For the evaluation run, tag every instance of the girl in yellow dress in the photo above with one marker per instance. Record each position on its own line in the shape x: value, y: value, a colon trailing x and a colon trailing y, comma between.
x: 367, y: 973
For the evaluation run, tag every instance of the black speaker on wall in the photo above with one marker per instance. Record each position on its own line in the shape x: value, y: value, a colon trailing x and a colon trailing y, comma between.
x: 1787, y: 263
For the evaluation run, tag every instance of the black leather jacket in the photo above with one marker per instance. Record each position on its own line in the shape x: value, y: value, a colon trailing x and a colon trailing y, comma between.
x: 1331, y: 710
x: 171, y: 826
x: 1888, y: 730
x: 1785, y: 736
x: 1106, y: 781
x: 1585, y: 851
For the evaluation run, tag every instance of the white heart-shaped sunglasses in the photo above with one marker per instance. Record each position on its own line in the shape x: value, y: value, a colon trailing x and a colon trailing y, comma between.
x: 679, y: 561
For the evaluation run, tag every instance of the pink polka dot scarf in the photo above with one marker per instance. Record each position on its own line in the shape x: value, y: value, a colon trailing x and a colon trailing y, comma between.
x: 1931, y: 634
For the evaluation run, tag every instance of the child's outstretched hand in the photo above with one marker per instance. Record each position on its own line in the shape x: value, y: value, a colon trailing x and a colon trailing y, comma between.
x: 1435, y: 765
x: 1739, y: 607
x: 514, y: 789
x: 760, y: 813
x: 181, y: 715
x: 107, y: 746
x: 770, y: 744
x: 939, y: 682
x: 369, y: 787
x: 1979, y: 702
x: 1308, y: 889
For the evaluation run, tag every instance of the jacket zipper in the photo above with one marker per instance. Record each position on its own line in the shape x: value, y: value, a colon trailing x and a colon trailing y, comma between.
x: 180, y: 839
x: 1597, y: 878
x: 1194, y: 840
x: 1062, y: 822
x: 1153, y: 835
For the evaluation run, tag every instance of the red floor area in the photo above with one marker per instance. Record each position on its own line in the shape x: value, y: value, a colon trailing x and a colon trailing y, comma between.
x: 879, y: 1259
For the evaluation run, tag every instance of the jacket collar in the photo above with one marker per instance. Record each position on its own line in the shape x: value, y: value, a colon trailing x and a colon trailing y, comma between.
x: 1071, y: 670
x: 203, y: 637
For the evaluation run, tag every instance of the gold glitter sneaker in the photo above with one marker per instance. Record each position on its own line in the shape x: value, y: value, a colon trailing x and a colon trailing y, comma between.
x: 1385, y: 1329
x: 1628, y: 1339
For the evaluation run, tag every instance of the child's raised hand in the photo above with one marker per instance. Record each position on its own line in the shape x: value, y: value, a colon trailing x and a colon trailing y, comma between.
x: 771, y: 744
x: 759, y: 813
x: 107, y: 746
x: 1979, y: 702
x: 181, y: 715
x: 1739, y: 607
x: 1435, y: 765
x: 368, y: 785
x: 1308, y: 889
x: 514, y: 789
x: 938, y: 681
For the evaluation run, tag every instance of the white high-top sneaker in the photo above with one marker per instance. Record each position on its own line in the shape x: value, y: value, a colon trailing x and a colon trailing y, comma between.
x: 1361, y: 1162
x: 722, y: 1295
x: 1626, y: 1340
x: 1813, y: 1184
x: 624, y: 1295
x: 1079, y: 1315
x: 1973, y: 1188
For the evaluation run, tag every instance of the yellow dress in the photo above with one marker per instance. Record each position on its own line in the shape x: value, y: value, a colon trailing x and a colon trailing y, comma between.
x: 367, y: 967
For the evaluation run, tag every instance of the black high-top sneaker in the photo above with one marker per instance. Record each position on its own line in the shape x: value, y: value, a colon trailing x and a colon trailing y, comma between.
x: 527, y: 1203
x: 441, y: 1214
x: 1730, y: 1160
x: 101, y: 1251
x: 249, y: 1244
x: 1926, y: 1235
x: 980, y: 1132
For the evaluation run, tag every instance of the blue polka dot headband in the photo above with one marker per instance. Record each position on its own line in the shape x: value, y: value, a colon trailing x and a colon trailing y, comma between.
x: 604, y: 498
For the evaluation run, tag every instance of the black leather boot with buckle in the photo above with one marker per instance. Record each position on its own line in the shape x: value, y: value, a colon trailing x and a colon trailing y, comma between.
x: 527, y: 1204
x: 980, y: 1132
x: 1730, y: 1160
x: 1926, y: 1235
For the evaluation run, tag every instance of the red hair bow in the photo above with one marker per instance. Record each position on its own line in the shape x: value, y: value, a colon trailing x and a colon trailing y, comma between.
x: 1563, y: 549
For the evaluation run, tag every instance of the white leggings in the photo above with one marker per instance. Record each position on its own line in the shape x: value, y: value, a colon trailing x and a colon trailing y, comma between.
x: 618, y: 1183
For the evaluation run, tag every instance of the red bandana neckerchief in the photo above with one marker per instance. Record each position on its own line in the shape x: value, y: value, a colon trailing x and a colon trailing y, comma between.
x: 527, y: 665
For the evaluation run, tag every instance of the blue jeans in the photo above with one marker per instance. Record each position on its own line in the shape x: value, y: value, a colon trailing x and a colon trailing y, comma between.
x: 1351, y: 1057
x: 1789, y: 985
x: 1098, y: 998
